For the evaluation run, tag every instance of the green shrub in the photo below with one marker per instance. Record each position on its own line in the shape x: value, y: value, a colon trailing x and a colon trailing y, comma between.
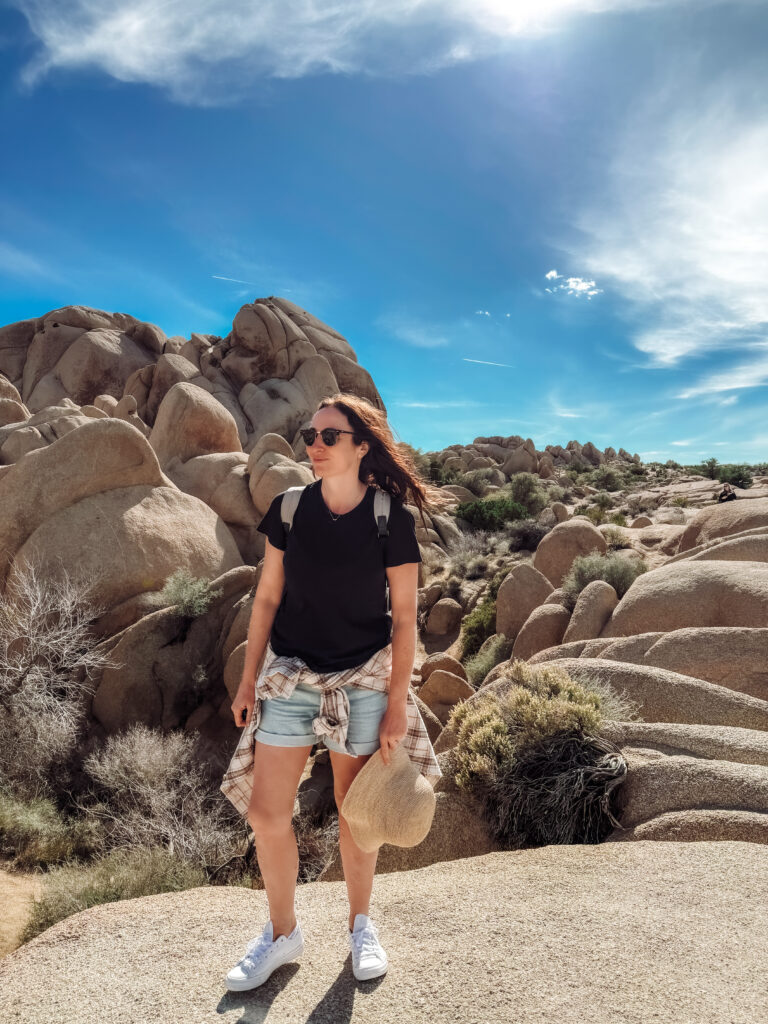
x: 190, y: 595
x: 615, y: 539
x: 476, y: 480
x: 680, y: 500
x: 525, y: 490
x: 477, y: 627
x: 119, y: 875
x: 490, y: 514
x: 606, y: 478
x: 494, y: 650
x: 36, y: 834
x: 595, y: 514
x: 525, y: 535
x: 619, y: 572
x: 533, y: 758
x: 737, y: 476
x: 709, y: 468
x: 603, y: 500
x: 440, y: 476
x: 618, y: 519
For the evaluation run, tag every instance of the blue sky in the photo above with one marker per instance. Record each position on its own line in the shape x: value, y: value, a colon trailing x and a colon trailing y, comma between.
x: 551, y: 223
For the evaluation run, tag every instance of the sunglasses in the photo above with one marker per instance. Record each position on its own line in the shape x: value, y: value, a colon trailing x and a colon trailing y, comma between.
x: 330, y: 435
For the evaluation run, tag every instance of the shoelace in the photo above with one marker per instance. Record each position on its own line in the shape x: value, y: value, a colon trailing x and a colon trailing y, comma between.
x: 366, y: 940
x: 256, y: 949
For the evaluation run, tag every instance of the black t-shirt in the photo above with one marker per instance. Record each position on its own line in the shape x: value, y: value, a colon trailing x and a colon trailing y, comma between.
x: 333, y: 612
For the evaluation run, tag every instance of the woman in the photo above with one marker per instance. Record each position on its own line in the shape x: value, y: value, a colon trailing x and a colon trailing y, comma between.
x: 321, y: 604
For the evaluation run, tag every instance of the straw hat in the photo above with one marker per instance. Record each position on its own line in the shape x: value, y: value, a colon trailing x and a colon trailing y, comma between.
x: 391, y: 803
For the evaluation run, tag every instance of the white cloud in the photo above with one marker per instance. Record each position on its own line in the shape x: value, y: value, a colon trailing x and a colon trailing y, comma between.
x: 750, y: 374
x: 482, y: 312
x: 210, y: 51
x: 571, y: 285
x: 681, y: 228
x: 17, y: 263
x: 235, y: 280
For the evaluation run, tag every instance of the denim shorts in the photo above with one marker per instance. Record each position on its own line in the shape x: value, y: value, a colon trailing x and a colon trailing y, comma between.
x: 287, y: 721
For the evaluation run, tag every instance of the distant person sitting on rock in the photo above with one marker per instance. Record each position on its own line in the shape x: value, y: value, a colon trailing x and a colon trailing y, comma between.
x: 336, y: 668
x: 727, y: 493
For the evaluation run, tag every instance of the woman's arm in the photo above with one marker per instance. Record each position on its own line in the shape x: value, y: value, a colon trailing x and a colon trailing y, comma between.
x: 266, y: 601
x: 403, y: 586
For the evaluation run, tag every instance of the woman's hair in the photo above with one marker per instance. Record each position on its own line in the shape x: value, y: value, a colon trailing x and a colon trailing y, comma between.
x: 387, y: 465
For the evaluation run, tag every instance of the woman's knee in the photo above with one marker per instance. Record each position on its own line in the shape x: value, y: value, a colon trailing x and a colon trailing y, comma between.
x: 268, y: 822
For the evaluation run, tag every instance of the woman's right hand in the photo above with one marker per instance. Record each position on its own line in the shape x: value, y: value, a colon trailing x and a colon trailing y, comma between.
x: 244, y: 701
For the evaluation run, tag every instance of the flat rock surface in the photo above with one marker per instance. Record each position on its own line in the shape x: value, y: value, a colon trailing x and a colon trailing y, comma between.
x: 611, y: 934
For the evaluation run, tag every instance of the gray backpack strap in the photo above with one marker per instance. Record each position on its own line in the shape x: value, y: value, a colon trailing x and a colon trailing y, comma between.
x: 381, y: 504
x: 289, y: 504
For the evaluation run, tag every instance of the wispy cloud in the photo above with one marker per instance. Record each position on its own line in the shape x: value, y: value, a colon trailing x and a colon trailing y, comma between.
x: 482, y: 312
x: 209, y: 51
x: 412, y: 331
x: 20, y: 264
x: 234, y: 280
x: 750, y: 374
x: 681, y: 228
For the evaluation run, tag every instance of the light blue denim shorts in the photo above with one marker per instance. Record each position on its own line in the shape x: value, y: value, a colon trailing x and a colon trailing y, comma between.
x: 287, y: 721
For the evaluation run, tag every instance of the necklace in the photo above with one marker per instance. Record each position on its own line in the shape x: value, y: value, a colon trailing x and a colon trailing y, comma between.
x: 338, y: 515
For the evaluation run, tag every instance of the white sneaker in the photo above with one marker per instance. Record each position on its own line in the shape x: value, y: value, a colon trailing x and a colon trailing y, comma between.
x: 263, y: 956
x: 368, y: 958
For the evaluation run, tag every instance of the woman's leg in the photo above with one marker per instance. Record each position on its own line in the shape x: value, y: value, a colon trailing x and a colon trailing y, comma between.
x: 359, y: 867
x: 277, y: 771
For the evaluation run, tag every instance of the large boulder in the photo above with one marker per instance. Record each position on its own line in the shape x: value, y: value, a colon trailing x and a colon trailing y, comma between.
x: 686, y: 941
x: 191, y: 422
x: 691, y: 593
x: 100, y: 455
x: 594, y: 606
x: 442, y: 691
x: 715, y: 742
x: 130, y: 540
x: 722, y: 520
x: 557, y: 550
x: 521, y: 590
x: 664, y: 696
x: 543, y: 628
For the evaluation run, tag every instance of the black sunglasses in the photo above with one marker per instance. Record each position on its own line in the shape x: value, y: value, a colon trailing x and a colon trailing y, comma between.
x: 330, y: 435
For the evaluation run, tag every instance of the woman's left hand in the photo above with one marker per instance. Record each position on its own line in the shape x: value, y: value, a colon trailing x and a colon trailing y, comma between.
x: 393, y: 727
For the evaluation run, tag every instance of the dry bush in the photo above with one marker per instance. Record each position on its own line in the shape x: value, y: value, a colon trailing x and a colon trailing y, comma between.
x: 48, y: 654
x: 149, y: 790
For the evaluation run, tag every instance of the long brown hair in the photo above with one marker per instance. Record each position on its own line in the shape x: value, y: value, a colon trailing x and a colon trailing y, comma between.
x: 385, y: 464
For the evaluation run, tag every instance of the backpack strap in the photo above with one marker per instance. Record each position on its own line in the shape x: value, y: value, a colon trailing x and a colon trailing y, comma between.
x: 289, y: 504
x: 382, y: 502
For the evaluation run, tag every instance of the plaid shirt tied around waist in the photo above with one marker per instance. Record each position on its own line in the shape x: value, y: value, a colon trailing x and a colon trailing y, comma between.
x: 280, y: 675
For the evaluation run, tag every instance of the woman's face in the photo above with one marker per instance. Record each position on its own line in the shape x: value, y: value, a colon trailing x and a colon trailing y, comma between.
x: 341, y: 458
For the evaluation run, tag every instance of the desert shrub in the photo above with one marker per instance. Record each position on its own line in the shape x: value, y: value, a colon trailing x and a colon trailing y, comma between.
x: 709, y: 468
x: 35, y: 833
x: 440, y: 476
x: 595, y: 514
x: 495, y: 650
x: 476, y: 480
x: 190, y: 595
x: 737, y: 476
x: 118, y: 875
x: 525, y: 535
x: 534, y: 759
x: 606, y: 478
x: 619, y: 572
x: 150, y: 790
x: 491, y: 513
x: 635, y: 469
x: 420, y: 461
x: 680, y: 500
x: 477, y: 567
x: 47, y: 654
x: 618, y: 519
x: 481, y: 621
x: 615, y: 539
x: 477, y: 627
x: 603, y: 500
x: 525, y: 490
x: 556, y: 493
x: 452, y: 588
